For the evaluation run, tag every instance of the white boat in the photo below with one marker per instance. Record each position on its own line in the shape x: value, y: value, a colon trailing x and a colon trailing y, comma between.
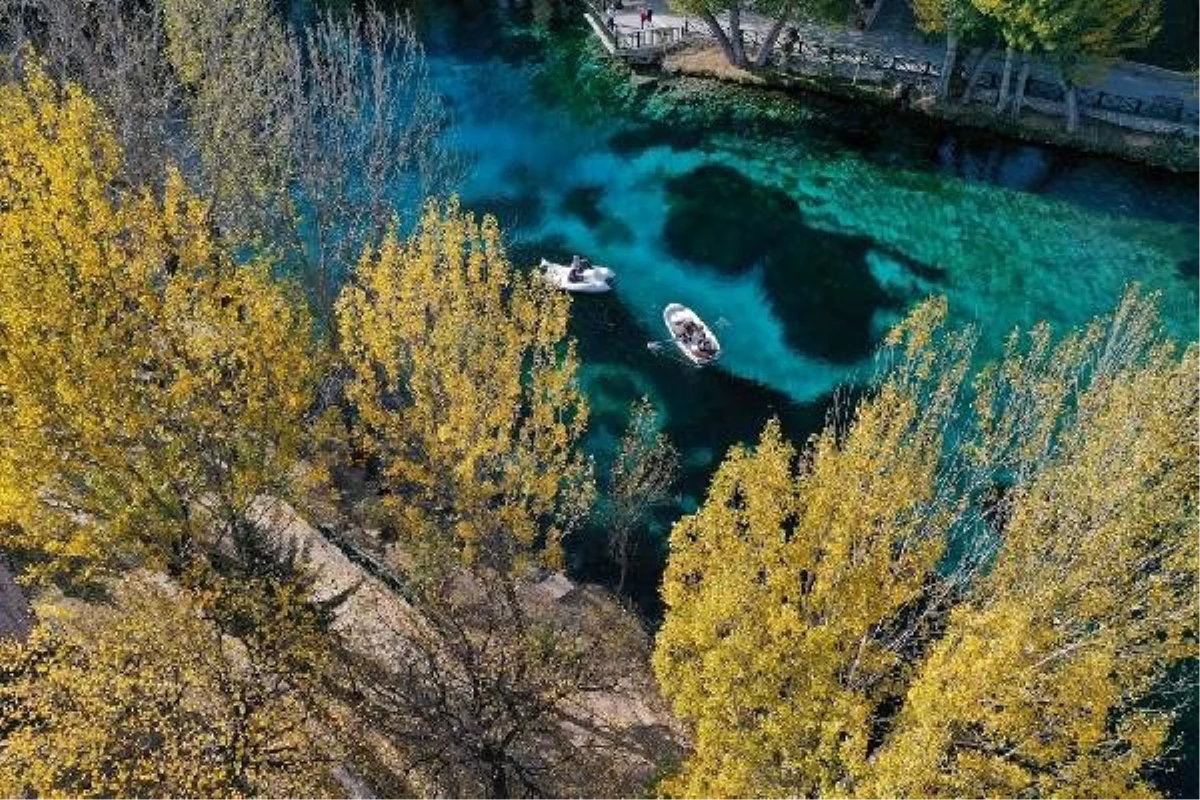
x: 693, y: 338
x: 592, y: 279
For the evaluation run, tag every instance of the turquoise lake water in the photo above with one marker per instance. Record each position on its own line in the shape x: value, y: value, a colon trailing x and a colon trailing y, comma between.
x: 800, y: 228
x: 800, y: 235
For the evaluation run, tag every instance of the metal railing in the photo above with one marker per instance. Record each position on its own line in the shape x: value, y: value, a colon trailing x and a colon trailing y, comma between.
x: 655, y: 37
x: 651, y: 37
x: 854, y: 63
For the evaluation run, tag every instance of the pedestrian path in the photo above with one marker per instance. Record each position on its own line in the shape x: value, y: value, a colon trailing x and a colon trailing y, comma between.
x: 629, y: 17
x: 1125, y: 88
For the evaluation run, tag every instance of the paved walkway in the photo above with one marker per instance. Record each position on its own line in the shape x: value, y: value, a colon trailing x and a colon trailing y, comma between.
x: 629, y: 17
x: 893, y: 33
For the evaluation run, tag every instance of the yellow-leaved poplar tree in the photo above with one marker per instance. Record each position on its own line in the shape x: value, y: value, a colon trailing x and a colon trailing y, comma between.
x: 151, y: 699
x: 1041, y: 685
x: 150, y: 387
x: 1021, y: 645
x: 780, y: 639
x: 464, y: 384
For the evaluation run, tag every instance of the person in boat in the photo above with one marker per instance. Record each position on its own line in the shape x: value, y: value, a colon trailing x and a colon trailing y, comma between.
x: 576, y: 273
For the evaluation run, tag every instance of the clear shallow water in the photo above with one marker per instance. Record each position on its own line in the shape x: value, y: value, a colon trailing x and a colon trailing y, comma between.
x: 801, y: 238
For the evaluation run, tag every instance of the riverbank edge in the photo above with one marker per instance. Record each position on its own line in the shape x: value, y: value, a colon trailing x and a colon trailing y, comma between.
x: 1171, y: 152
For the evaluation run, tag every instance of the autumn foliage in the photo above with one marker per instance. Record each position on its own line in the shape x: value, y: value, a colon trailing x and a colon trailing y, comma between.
x: 971, y: 582
x: 829, y: 633
x: 464, y: 386
x: 152, y: 698
x: 152, y: 386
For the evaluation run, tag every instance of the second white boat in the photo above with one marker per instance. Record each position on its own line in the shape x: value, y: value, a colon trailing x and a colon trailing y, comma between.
x: 691, y: 335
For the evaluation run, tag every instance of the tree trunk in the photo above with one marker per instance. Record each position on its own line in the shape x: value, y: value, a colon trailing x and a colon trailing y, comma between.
x: 1019, y: 89
x: 948, y: 64
x: 1005, y: 79
x: 722, y: 39
x: 624, y: 566
x: 1071, y: 98
x: 497, y: 774
x: 976, y: 73
x: 764, y: 52
x: 735, y: 35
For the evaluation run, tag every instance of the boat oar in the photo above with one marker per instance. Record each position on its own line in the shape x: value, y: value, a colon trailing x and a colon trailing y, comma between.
x: 655, y: 345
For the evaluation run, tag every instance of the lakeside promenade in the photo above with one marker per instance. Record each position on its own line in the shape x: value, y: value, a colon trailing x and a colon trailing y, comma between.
x: 1127, y: 94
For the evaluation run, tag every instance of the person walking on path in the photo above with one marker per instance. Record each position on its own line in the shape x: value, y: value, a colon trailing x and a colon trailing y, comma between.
x: 643, y: 15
